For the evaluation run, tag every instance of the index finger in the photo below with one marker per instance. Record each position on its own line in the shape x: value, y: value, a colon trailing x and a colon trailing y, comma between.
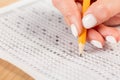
x: 71, y: 11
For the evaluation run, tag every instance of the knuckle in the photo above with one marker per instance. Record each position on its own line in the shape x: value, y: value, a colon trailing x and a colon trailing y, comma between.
x: 71, y: 12
x: 68, y: 14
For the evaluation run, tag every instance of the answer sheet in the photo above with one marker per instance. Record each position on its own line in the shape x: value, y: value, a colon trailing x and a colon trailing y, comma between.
x: 36, y: 39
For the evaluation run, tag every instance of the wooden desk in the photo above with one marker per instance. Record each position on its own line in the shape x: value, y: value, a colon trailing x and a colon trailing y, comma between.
x: 6, y: 2
x: 11, y: 72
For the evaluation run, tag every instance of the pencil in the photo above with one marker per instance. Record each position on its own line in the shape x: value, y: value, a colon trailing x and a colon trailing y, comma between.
x: 82, y: 37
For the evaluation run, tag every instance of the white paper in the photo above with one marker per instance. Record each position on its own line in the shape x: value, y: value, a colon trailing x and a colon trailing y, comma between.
x: 36, y: 39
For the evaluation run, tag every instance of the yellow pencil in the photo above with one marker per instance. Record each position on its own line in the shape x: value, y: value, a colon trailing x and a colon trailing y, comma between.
x: 82, y: 37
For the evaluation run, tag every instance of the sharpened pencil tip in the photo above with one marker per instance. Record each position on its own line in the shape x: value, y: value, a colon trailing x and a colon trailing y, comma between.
x: 81, y: 47
x: 81, y: 55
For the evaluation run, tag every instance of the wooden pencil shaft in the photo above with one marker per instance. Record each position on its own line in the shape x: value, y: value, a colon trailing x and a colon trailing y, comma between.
x: 82, y: 37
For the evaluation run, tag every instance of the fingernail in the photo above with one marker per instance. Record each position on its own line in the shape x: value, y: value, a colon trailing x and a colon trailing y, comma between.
x: 111, y: 39
x: 96, y: 44
x: 89, y: 21
x: 74, y: 30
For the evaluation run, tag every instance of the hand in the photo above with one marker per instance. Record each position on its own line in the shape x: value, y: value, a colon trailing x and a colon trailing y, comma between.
x: 97, y: 19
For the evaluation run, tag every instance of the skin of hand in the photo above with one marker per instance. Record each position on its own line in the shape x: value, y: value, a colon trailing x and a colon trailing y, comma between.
x: 99, y: 19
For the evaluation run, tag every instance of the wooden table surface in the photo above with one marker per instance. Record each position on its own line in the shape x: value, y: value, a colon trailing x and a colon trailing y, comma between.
x: 4, y: 3
x: 11, y: 72
x: 7, y: 70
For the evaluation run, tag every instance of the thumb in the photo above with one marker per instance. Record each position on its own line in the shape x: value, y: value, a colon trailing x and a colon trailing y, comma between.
x: 100, y: 11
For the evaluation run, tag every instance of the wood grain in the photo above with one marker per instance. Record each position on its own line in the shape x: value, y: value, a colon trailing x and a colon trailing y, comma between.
x: 11, y: 72
x: 6, y: 2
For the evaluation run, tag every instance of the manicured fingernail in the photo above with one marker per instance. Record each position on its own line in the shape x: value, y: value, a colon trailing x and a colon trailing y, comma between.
x: 74, y: 30
x: 89, y: 21
x: 96, y: 44
x: 111, y: 39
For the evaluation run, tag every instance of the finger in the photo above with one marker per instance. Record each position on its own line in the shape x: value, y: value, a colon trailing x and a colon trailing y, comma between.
x: 114, y: 21
x: 95, y: 38
x: 67, y: 21
x: 81, y: 1
x: 109, y: 33
x: 71, y: 12
x: 100, y: 11
x: 119, y: 40
x: 119, y: 36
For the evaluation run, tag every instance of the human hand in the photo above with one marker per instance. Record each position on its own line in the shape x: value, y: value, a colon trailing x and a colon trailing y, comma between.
x: 97, y: 19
